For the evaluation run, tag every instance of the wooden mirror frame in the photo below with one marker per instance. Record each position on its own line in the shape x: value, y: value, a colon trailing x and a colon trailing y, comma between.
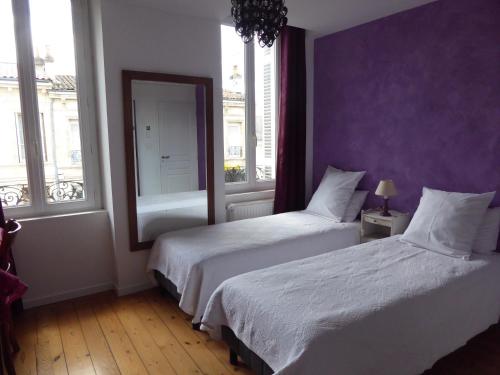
x: 127, y: 77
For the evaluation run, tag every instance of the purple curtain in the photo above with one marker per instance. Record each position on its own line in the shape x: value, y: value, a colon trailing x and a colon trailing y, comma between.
x: 291, y: 155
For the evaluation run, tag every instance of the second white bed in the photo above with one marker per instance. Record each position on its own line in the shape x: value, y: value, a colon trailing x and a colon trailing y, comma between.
x: 384, y: 307
x: 198, y: 260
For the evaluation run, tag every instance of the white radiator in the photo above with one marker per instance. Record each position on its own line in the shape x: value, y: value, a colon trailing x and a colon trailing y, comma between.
x: 247, y: 210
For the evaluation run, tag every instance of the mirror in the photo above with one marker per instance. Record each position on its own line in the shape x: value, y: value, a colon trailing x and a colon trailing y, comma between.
x: 169, y: 152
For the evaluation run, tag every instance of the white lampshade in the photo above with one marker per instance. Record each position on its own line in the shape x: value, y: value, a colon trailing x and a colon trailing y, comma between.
x: 386, y: 188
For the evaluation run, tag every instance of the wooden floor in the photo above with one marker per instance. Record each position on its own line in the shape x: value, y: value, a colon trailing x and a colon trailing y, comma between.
x: 104, y: 335
x: 147, y: 334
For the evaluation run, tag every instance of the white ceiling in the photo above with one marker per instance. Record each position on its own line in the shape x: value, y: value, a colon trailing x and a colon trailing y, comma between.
x: 320, y: 16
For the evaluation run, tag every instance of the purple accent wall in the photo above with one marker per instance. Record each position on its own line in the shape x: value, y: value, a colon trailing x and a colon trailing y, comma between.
x: 200, y: 134
x: 414, y: 97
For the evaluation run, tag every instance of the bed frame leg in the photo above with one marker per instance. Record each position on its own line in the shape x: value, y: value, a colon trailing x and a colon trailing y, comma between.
x: 233, y: 357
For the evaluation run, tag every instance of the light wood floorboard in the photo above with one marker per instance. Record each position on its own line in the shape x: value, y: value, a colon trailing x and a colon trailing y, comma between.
x: 145, y: 333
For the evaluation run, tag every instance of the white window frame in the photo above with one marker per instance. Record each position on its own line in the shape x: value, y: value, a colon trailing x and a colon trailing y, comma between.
x: 21, y: 151
x: 252, y: 184
x: 29, y: 105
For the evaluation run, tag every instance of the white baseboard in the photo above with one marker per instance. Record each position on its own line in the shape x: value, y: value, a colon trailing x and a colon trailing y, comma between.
x: 123, y: 291
x: 58, y: 297
x: 75, y: 293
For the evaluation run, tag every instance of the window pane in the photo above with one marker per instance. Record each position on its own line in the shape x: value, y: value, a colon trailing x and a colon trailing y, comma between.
x: 233, y: 84
x: 265, y: 113
x: 14, y: 190
x: 54, y: 51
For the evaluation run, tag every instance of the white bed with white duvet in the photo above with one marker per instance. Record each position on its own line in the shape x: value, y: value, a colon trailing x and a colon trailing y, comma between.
x: 197, y: 260
x: 383, y: 307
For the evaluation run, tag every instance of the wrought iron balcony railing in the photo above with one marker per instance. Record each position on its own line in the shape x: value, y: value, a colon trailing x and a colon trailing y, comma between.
x: 18, y: 194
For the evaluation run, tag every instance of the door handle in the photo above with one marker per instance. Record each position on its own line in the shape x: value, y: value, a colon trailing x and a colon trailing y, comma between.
x: 165, y: 157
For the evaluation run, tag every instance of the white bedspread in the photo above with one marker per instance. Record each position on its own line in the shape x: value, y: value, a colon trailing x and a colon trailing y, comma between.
x: 383, y: 307
x: 197, y: 260
x: 157, y: 214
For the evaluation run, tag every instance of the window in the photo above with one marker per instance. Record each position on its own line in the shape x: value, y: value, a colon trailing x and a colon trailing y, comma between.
x: 249, y: 80
x: 20, y: 138
x: 235, y: 137
x: 47, y: 162
x: 21, y: 151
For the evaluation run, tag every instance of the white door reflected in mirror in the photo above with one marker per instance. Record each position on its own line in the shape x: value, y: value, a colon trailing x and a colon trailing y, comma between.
x: 179, y: 168
x: 170, y: 142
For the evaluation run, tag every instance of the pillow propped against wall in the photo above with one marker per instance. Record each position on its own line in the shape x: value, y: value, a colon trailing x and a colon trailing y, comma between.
x: 355, y: 204
x: 447, y: 222
x: 334, y: 193
x: 487, y: 234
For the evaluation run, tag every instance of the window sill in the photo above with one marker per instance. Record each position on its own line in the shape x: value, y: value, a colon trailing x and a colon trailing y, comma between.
x: 246, y: 187
x: 249, y: 196
x: 57, y: 216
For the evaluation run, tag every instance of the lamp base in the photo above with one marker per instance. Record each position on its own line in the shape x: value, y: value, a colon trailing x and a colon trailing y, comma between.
x: 385, y: 211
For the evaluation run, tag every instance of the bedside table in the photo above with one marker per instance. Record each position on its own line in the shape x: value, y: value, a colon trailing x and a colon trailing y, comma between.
x: 374, y: 226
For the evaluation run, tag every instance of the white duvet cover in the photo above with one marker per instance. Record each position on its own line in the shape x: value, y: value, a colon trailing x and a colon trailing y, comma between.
x: 198, y: 260
x: 380, y: 308
x: 162, y: 213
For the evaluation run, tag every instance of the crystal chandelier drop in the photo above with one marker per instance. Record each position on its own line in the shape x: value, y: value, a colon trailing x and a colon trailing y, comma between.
x: 264, y: 18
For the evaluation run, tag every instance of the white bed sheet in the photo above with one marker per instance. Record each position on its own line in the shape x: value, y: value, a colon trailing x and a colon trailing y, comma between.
x: 383, y: 307
x: 198, y: 260
x: 162, y: 213
x: 172, y: 201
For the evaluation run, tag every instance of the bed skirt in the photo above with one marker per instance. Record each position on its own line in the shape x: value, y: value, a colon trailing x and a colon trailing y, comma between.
x: 167, y: 285
x: 237, y: 348
x: 169, y: 288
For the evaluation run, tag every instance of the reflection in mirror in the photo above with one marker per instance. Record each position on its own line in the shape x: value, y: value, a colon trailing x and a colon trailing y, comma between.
x: 170, y: 156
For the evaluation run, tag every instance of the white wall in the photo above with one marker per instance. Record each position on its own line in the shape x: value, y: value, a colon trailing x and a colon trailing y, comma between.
x: 139, y: 38
x: 64, y: 256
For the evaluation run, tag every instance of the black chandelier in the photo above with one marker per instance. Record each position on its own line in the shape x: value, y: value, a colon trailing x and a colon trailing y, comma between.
x: 265, y: 18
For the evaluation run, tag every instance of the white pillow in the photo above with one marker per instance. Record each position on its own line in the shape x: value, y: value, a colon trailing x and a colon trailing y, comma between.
x: 487, y: 234
x: 447, y: 222
x: 357, y: 201
x: 334, y: 193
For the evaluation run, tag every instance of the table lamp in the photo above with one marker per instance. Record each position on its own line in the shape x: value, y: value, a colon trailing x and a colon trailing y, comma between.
x: 386, y: 189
